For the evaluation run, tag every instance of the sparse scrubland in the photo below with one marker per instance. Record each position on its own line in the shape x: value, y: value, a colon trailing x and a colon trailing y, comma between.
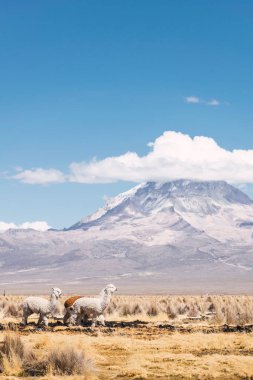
x: 146, y: 337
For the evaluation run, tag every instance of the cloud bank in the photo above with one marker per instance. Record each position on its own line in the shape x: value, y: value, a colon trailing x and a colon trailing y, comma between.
x: 173, y: 155
x: 39, y: 226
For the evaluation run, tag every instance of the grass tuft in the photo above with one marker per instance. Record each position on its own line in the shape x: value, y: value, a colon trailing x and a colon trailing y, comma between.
x: 68, y: 361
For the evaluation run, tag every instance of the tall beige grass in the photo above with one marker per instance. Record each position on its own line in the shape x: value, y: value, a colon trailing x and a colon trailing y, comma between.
x: 10, y: 307
x: 218, y: 309
x: 215, y: 309
x: 18, y: 359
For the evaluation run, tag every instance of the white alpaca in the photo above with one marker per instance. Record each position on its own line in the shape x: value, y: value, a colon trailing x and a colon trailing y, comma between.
x: 84, y: 307
x: 41, y: 306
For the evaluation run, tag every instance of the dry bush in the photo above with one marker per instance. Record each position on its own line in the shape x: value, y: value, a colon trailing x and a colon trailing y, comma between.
x: 136, y: 309
x: 125, y: 310
x: 17, y: 360
x: 68, y: 361
x: 193, y: 312
x: 12, y: 354
x: 171, y: 311
x: 35, y: 367
x: 10, y: 308
x: 218, y: 317
x: 163, y: 305
x: 13, y: 310
x: 111, y: 308
x: 12, y: 344
x: 152, y: 310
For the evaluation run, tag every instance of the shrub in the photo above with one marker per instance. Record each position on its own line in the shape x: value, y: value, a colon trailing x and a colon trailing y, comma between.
x: 13, y: 310
x: 12, y: 344
x: 111, y: 308
x: 171, y: 311
x: 136, y: 309
x: 17, y: 360
x: 193, y: 312
x: 11, y: 355
x: 125, y: 310
x: 152, y: 310
x: 34, y: 367
x: 68, y: 361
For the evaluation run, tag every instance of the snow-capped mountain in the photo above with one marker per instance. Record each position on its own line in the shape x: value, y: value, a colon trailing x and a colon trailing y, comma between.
x: 183, y: 195
x: 217, y: 208
x: 176, y: 236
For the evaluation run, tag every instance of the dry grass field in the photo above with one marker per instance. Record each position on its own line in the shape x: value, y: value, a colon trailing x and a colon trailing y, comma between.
x: 146, y: 337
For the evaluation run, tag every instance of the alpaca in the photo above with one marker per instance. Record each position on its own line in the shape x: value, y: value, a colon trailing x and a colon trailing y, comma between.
x: 67, y: 304
x: 41, y: 306
x: 84, y: 307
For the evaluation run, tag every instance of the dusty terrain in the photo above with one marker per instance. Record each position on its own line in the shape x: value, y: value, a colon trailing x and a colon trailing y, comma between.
x: 200, y: 337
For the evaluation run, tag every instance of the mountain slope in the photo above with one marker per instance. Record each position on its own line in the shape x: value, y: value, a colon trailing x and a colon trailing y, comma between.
x: 178, y: 236
x: 217, y: 208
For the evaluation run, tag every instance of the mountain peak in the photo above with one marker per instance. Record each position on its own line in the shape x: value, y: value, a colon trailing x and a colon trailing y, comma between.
x: 203, y: 197
x: 217, y: 190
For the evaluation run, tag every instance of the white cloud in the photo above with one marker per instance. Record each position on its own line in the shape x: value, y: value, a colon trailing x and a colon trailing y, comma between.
x: 192, y: 100
x: 6, y: 226
x: 40, y: 176
x: 172, y: 155
x: 39, y: 226
x: 196, y: 100
x: 213, y: 102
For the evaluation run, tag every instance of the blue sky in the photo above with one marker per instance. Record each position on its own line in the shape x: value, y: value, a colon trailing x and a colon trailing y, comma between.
x: 85, y: 79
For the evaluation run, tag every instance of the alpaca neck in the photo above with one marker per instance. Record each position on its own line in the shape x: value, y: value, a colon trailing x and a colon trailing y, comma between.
x: 53, y: 302
x: 105, y: 299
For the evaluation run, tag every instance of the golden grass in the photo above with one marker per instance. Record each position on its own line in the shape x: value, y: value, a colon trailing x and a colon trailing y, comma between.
x: 29, y: 359
x: 143, y: 351
x: 218, y: 309
x: 134, y: 354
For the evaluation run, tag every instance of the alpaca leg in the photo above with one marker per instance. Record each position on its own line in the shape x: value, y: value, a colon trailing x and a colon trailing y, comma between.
x: 72, y: 320
x: 101, y: 319
x: 84, y: 319
x: 40, y: 320
x: 66, y: 317
x: 25, y: 317
x: 72, y: 317
x: 45, y: 320
x: 26, y: 313
x: 94, y: 320
x: 79, y: 319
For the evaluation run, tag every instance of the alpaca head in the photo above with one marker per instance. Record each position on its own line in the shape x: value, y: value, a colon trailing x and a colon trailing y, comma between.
x: 57, y: 292
x: 110, y: 289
